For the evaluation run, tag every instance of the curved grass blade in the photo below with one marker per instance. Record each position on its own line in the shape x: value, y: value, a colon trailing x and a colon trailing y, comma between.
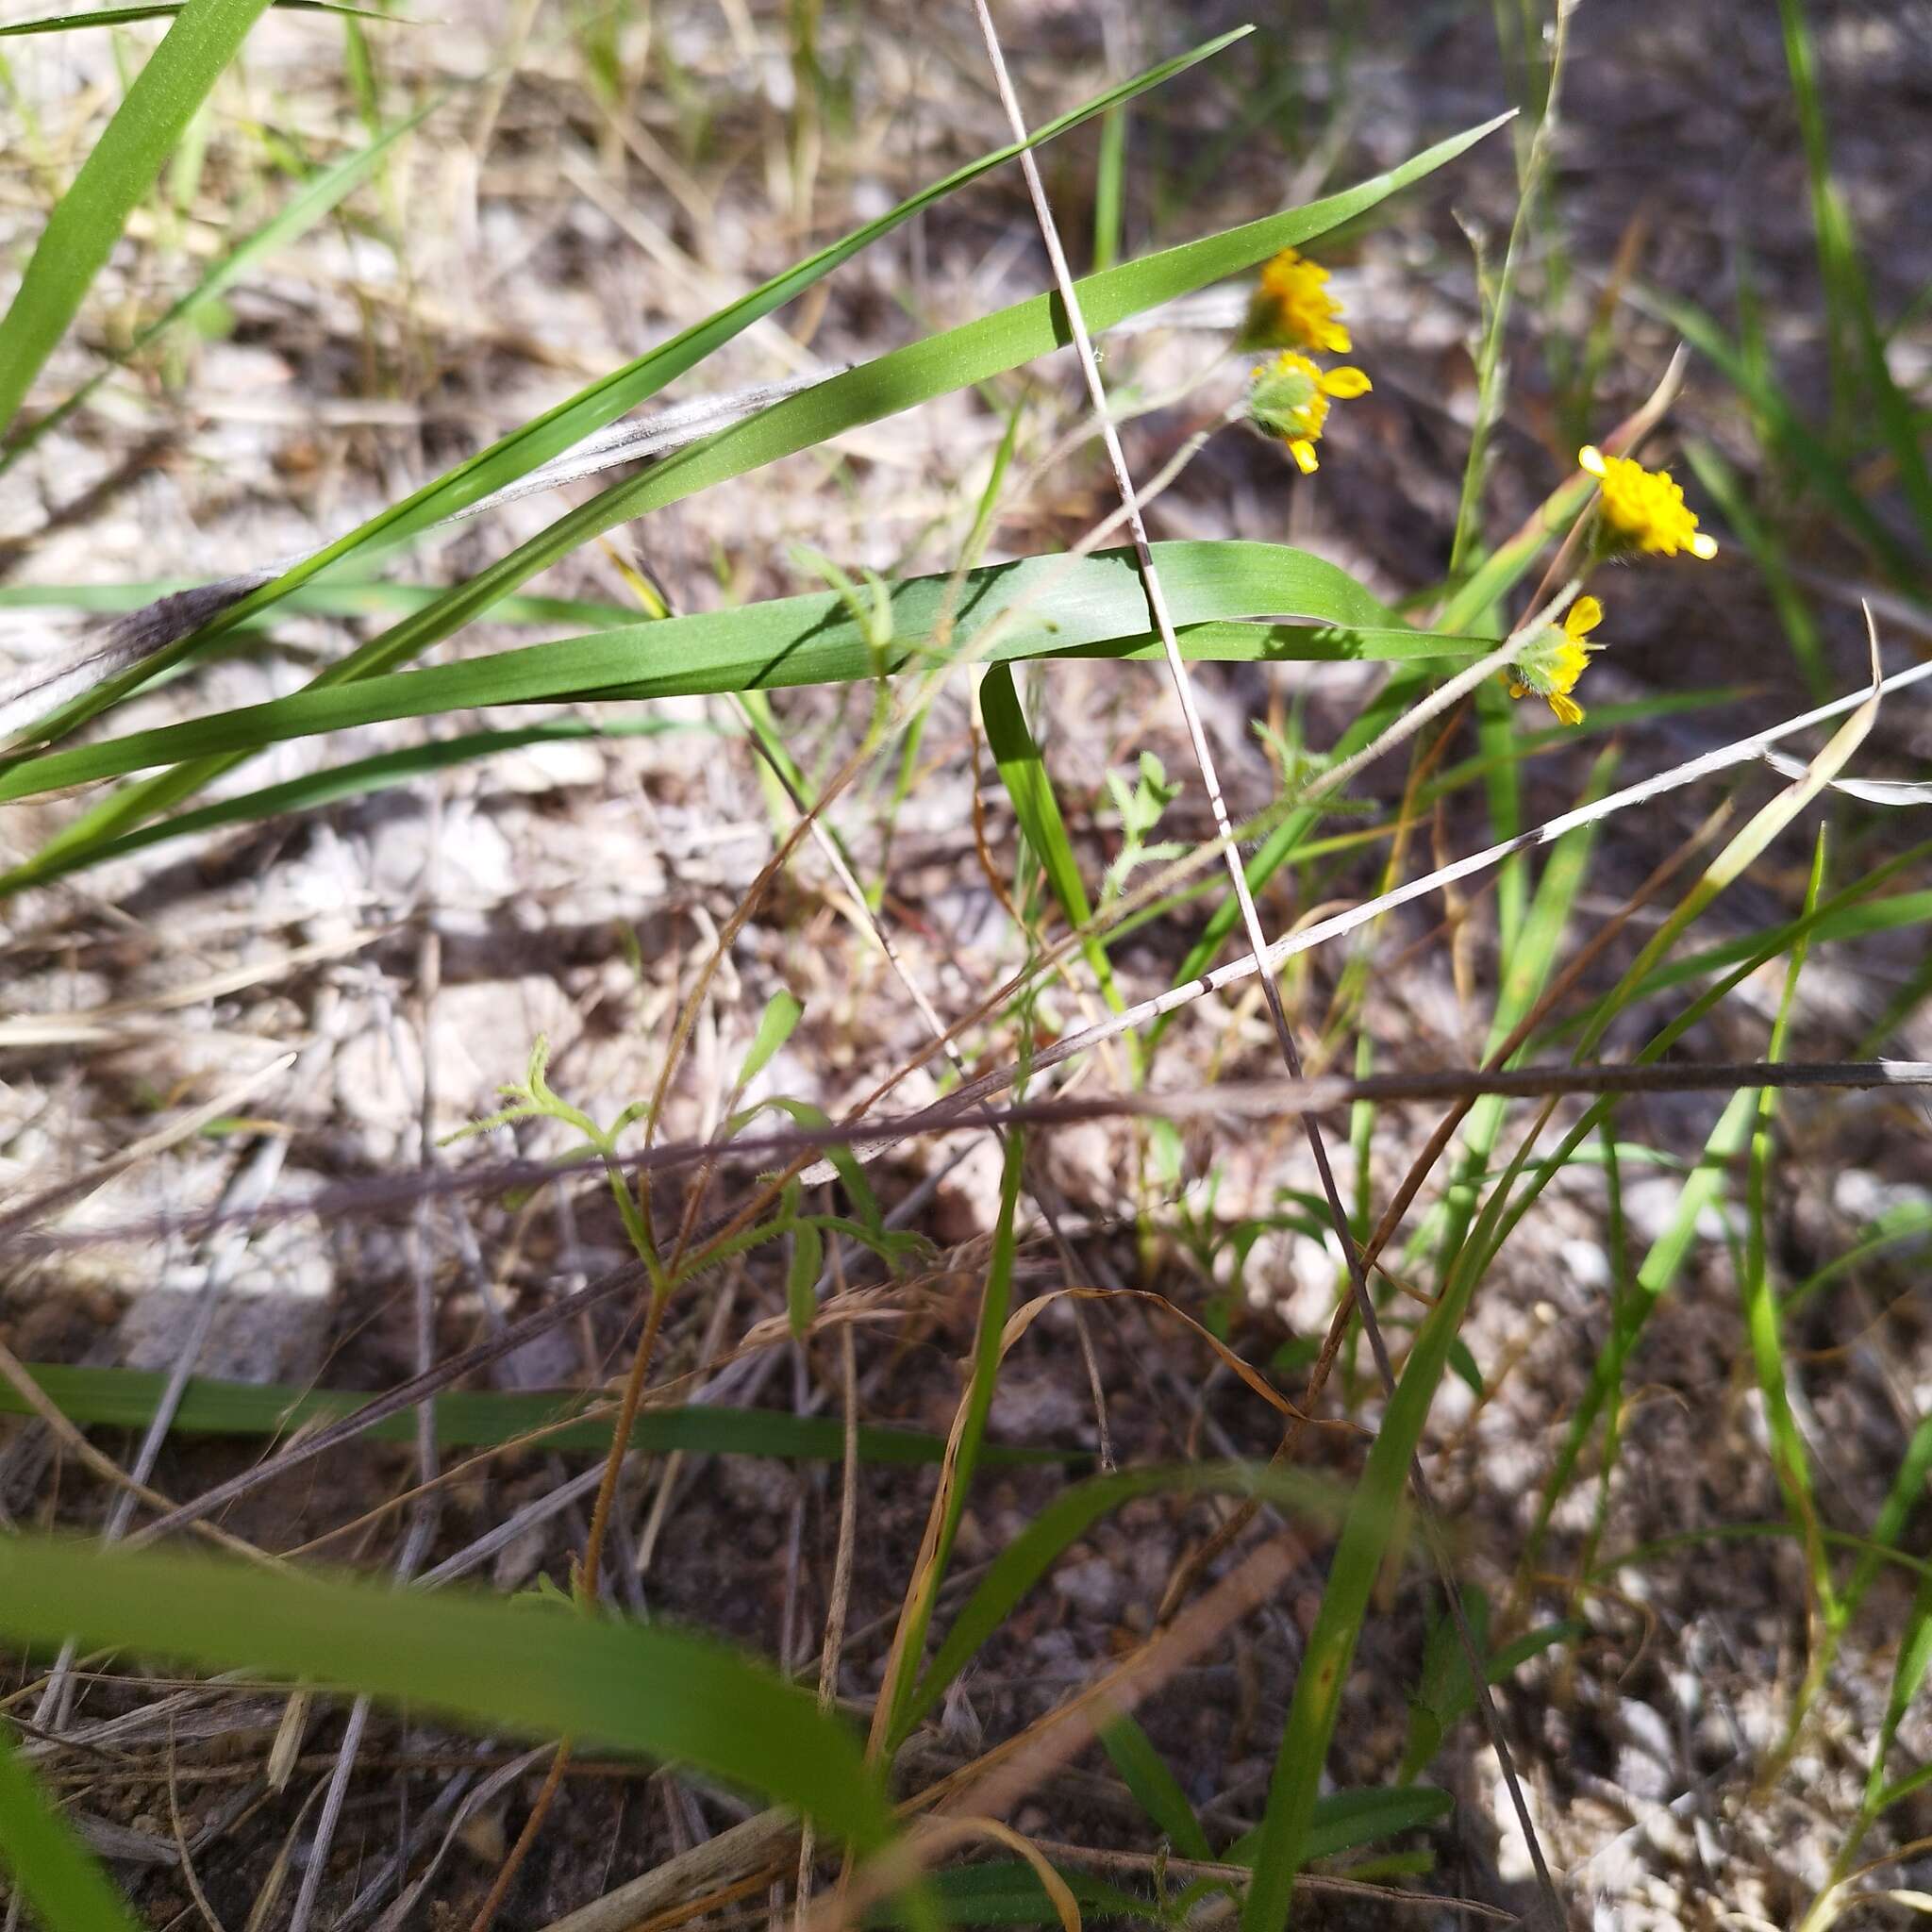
x: 54, y: 1871
x: 1090, y: 606
x: 593, y: 407
x: 1763, y: 1324
x: 333, y: 597
x: 963, y: 1450
x: 88, y: 218
x: 1008, y: 1891
x: 648, y: 1692
x: 958, y: 357
x: 1281, y: 1843
x: 1020, y: 1565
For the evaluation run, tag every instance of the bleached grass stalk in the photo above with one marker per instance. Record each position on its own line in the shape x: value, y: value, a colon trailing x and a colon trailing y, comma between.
x: 1707, y: 764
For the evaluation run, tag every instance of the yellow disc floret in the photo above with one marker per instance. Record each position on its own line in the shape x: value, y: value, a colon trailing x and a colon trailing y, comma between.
x: 1288, y: 398
x: 1643, y: 510
x: 1292, y: 309
x: 1551, y: 660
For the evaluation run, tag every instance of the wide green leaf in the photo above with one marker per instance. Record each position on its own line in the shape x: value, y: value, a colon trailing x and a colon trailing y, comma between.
x: 1045, y: 606
x: 650, y: 1691
x: 54, y: 1871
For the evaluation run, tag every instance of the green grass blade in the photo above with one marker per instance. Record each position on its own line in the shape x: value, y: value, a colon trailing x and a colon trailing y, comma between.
x: 592, y: 408
x: 1008, y: 1891
x: 55, y: 1873
x: 1526, y: 972
x: 315, y: 199
x: 88, y: 218
x: 361, y: 776
x: 1281, y: 1846
x: 1908, y: 1674
x: 974, y: 353
x: 1847, y: 288
x: 646, y: 1691
x: 126, y: 1398
x: 1090, y: 606
x: 1022, y: 771
x: 167, y: 9
x: 1908, y: 1487
x: 995, y: 1302
x: 1156, y: 1788
x: 1763, y: 1322
x: 334, y: 597
x: 1346, y: 1820
x: 1723, y: 487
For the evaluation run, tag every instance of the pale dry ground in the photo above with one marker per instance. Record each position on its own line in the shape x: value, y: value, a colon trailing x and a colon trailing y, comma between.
x: 412, y: 946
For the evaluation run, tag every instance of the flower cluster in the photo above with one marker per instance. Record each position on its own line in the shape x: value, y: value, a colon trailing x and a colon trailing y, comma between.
x: 1642, y: 509
x: 1289, y: 395
x: 1293, y: 310
x: 1637, y: 510
x: 1288, y: 398
x: 1553, y: 657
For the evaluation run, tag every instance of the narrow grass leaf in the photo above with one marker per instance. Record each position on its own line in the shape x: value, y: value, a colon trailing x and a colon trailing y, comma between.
x: 1025, y: 1560
x: 957, y: 1471
x: 1346, y: 1820
x: 1281, y: 1845
x: 1762, y: 1319
x: 783, y: 1011
x: 126, y: 1398
x: 167, y: 9
x: 1008, y: 1891
x: 1156, y: 1788
x: 1023, y: 772
x: 88, y: 218
x: 317, y: 196
x: 361, y: 777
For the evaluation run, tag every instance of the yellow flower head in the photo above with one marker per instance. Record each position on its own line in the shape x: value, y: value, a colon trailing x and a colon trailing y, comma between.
x: 1552, y: 660
x: 1644, y: 510
x: 1293, y: 308
x: 1288, y: 398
